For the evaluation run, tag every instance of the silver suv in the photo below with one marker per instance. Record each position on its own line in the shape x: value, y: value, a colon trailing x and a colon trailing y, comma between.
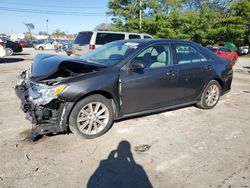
x: 89, y: 40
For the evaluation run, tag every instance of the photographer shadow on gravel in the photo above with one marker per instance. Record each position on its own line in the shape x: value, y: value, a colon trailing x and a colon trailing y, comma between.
x: 119, y: 170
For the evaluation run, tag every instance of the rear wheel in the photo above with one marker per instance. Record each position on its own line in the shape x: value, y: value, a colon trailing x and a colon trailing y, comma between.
x: 210, y: 95
x: 9, y: 52
x: 91, y: 117
x: 40, y: 48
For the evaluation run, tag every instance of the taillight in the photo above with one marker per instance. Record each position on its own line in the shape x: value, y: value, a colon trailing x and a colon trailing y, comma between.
x: 91, y: 47
x: 2, y: 43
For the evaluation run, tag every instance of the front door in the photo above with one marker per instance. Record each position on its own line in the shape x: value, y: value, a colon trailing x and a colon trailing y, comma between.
x: 151, y: 87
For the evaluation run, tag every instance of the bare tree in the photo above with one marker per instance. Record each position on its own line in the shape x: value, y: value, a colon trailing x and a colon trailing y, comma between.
x: 30, y: 27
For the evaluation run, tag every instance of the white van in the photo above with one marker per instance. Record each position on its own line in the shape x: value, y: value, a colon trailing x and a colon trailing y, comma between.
x: 89, y: 40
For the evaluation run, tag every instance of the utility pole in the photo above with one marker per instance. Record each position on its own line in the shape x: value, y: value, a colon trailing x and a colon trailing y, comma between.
x: 47, y: 26
x: 106, y: 24
x: 140, y: 14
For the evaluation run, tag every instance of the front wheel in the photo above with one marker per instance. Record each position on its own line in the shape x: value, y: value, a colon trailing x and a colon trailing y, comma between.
x: 91, y: 117
x: 210, y: 95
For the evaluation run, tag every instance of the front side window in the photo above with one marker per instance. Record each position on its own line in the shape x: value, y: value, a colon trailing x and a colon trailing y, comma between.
x: 155, y: 56
x: 187, y: 54
x: 103, y: 38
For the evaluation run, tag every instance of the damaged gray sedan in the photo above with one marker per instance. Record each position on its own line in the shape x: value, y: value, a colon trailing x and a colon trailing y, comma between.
x: 118, y: 80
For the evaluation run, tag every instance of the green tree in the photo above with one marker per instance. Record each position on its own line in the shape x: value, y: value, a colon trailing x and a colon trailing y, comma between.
x: 203, y: 21
x: 241, y: 10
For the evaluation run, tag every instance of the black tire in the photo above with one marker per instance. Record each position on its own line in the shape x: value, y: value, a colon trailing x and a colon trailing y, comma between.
x: 203, y: 102
x: 40, y: 48
x: 73, y: 124
x: 9, y: 52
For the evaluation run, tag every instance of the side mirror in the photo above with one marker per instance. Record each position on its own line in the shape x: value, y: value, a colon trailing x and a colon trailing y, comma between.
x: 136, y: 65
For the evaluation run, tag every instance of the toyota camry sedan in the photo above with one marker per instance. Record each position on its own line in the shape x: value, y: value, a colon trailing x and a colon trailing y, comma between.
x: 120, y: 79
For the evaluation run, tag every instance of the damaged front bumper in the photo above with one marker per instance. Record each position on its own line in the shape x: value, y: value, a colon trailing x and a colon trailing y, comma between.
x: 46, y: 116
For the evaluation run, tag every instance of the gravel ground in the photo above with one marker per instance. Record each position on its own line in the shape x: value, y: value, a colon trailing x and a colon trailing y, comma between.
x: 187, y: 147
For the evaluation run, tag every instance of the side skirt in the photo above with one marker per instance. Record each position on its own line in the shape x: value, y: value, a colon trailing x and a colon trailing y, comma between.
x: 155, y: 110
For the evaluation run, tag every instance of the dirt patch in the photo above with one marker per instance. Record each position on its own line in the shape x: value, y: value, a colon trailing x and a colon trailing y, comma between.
x: 142, y: 148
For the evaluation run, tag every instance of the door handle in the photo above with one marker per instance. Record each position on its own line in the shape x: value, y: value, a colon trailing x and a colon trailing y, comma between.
x: 171, y: 73
x: 209, y: 67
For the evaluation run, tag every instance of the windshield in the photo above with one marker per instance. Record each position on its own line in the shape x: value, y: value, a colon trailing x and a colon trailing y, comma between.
x: 111, y: 53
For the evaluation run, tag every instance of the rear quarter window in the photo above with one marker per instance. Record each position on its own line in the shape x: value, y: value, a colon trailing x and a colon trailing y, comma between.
x: 147, y: 37
x: 103, y: 38
x: 187, y: 54
x: 134, y: 36
x: 83, y: 38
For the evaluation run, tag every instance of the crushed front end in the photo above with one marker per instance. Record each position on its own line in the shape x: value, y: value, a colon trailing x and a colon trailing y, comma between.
x: 47, y: 113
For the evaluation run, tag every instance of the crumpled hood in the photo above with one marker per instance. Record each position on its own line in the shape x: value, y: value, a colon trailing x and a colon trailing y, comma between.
x: 45, y: 65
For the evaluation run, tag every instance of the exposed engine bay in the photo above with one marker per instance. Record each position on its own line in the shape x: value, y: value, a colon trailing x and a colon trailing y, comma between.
x: 39, y: 88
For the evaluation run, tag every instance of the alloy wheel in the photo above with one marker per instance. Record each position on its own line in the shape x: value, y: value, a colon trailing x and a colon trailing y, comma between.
x: 212, y: 95
x: 93, y: 118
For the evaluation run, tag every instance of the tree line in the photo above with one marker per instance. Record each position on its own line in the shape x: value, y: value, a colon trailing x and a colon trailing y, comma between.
x: 202, y: 21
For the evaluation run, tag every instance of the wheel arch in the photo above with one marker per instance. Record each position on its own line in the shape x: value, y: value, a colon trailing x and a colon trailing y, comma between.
x: 220, y: 82
x: 105, y: 94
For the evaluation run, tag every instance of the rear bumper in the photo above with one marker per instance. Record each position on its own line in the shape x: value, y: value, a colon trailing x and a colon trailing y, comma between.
x: 227, y: 82
x: 45, y: 119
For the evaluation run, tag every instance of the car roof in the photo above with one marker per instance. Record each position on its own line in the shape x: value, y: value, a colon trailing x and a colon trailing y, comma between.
x: 119, y: 32
x: 216, y: 47
x: 146, y: 41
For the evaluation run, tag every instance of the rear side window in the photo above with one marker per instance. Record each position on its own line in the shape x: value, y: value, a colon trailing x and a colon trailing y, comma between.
x: 224, y: 50
x: 187, y: 54
x: 212, y: 49
x: 83, y: 38
x: 134, y: 36
x: 103, y: 38
x: 147, y: 37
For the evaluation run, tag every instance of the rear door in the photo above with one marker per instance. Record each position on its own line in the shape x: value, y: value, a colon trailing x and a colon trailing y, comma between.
x: 81, y: 43
x: 194, y: 71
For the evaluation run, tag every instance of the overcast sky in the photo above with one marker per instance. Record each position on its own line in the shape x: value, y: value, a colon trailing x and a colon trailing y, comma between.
x: 70, y: 16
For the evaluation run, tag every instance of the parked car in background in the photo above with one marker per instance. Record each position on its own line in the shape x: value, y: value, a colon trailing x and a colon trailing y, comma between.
x: 240, y: 51
x: 45, y: 46
x: 2, y: 48
x: 67, y: 47
x: 90, y: 40
x: 229, y: 45
x: 245, y: 49
x: 11, y: 47
x: 25, y: 44
x: 224, y: 53
x: 118, y: 80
